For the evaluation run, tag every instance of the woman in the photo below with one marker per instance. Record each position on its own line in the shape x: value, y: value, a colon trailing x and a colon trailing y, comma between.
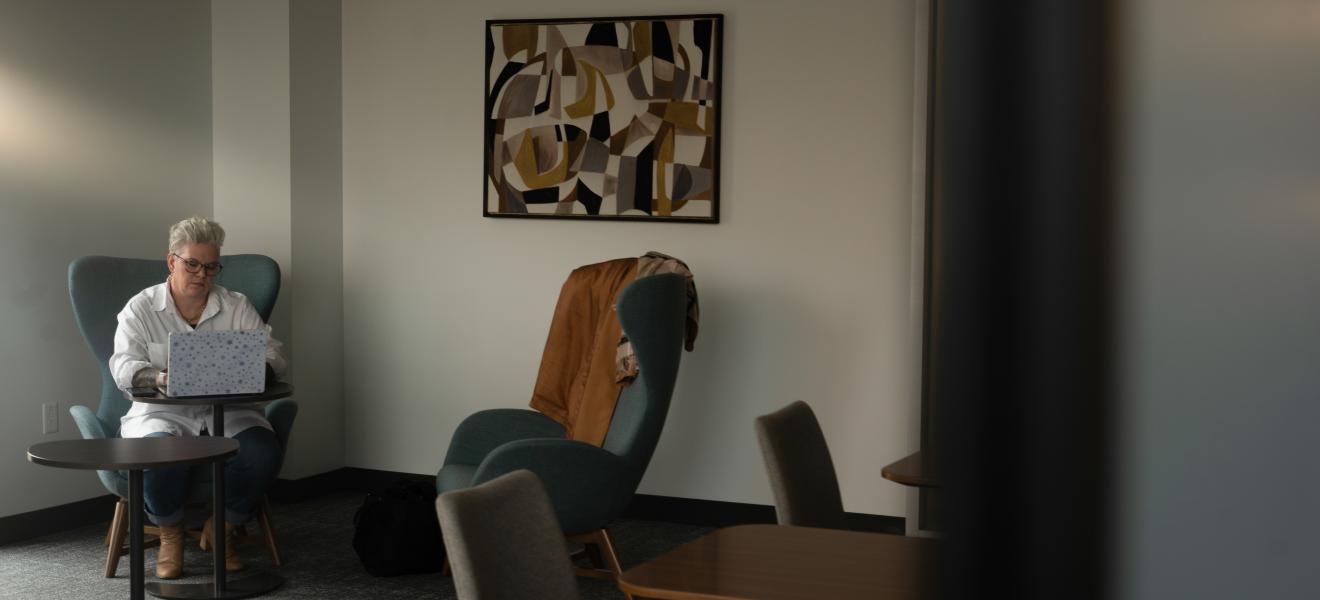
x: 189, y: 300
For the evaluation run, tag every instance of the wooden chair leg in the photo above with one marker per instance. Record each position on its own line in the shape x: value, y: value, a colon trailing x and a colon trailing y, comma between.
x: 599, y: 545
x: 268, y: 532
x: 607, y: 548
x: 110, y: 531
x: 114, y: 538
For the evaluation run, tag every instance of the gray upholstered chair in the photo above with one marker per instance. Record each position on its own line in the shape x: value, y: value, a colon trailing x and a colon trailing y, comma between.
x: 589, y: 486
x: 99, y: 287
x: 504, y: 542
x: 801, y: 472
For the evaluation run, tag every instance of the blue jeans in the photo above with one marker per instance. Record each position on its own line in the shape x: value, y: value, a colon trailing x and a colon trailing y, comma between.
x: 247, y: 475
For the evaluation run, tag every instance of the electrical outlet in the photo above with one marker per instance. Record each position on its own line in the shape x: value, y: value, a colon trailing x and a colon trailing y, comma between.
x: 50, y: 419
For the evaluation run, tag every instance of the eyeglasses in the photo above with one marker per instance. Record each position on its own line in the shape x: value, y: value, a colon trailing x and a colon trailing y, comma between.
x: 193, y: 265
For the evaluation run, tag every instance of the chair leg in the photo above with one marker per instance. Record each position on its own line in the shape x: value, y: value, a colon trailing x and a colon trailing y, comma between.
x: 114, y: 538
x: 607, y: 548
x: 110, y: 531
x: 268, y: 532
x: 599, y: 545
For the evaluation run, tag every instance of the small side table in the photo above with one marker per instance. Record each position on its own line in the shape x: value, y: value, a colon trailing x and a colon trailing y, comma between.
x: 253, y: 584
x: 133, y: 455
x: 918, y: 470
x: 914, y: 470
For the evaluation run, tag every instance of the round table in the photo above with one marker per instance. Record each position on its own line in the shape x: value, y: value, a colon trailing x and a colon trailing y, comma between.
x: 274, y: 391
x: 252, y: 585
x: 133, y: 455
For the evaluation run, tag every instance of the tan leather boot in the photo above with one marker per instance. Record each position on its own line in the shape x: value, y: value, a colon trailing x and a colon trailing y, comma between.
x: 169, y: 559
x: 232, y: 561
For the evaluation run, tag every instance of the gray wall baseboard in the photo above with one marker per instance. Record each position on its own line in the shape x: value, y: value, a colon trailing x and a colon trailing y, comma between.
x: 689, y: 511
x: 28, y: 525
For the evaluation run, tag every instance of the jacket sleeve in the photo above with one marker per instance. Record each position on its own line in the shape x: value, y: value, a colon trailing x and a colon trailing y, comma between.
x: 131, y: 354
x: 247, y: 318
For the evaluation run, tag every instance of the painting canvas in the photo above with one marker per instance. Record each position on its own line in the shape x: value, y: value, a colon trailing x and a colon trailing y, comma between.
x: 608, y: 119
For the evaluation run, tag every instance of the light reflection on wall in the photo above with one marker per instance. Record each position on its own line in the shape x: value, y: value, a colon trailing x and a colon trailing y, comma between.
x: 59, y: 142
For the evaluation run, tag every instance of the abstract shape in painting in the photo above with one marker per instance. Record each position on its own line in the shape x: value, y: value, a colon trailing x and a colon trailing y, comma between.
x: 603, y: 117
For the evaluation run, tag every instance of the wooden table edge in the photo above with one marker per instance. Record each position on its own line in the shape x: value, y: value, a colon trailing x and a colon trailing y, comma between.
x: 670, y: 594
x: 259, y: 397
x: 37, y: 460
x: 662, y: 594
x: 891, y: 473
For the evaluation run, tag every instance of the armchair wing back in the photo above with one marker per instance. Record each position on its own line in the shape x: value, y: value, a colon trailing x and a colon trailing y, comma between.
x: 589, y: 486
x: 99, y: 286
x: 652, y: 312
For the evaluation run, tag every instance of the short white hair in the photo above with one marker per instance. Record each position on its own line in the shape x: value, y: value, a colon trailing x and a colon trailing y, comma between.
x: 196, y: 230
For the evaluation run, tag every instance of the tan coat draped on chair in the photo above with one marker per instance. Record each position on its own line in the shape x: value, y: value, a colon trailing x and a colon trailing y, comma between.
x: 576, y: 385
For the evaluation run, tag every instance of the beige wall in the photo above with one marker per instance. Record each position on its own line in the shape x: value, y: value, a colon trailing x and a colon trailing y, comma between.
x: 317, y: 213
x: 1219, y: 476
x: 805, y: 285
x: 277, y: 192
x: 105, y: 140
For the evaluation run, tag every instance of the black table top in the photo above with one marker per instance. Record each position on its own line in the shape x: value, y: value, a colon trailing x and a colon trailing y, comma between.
x: 274, y: 391
x: 132, y: 453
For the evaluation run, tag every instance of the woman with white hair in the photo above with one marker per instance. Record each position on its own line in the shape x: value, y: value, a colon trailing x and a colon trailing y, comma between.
x: 189, y: 300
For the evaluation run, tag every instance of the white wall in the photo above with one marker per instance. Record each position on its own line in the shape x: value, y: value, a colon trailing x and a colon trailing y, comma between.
x: 1220, y: 476
x: 105, y: 140
x: 255, y: 184
x: 805, y: 285
x: 317, y: 213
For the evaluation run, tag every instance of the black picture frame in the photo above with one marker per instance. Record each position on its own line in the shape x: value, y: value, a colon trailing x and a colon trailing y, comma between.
x: 603, y: 118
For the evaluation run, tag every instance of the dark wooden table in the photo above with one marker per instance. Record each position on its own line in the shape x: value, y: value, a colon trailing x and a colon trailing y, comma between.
x: 274, y: 391
x: 253, y: 585
x: 133, y: 455
x: 913, y: 470
x: 776, y: 562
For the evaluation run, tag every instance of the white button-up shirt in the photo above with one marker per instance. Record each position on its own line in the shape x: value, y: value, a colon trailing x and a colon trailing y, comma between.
x: 142, y: 340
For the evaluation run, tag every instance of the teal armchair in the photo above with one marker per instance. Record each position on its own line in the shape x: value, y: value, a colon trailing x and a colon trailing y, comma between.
x: 589, y: 486
x: 99, y: 287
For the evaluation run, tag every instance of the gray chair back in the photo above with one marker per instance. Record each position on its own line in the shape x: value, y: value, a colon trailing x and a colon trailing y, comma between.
x: 504, y: 542
x: 801, y: 472
x: 100, y: 286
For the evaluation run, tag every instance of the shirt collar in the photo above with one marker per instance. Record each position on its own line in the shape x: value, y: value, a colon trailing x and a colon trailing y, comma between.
x: 162, y: 300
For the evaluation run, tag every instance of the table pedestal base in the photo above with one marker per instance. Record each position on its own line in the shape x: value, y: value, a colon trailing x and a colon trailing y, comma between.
x: 254, y: 585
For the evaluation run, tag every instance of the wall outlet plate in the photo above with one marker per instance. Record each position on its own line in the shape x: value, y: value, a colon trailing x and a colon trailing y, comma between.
x: 50, y: 418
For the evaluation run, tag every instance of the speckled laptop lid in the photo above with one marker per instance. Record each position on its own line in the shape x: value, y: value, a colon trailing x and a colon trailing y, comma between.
x: 213, y: 363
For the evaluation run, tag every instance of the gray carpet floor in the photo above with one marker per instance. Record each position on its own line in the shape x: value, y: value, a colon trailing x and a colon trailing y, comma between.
x: 315, y: 538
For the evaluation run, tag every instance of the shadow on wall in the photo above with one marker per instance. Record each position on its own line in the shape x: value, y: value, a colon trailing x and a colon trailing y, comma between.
x: 741, y: 329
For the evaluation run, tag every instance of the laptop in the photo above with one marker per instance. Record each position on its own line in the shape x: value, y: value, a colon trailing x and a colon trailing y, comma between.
x: 216, y: 363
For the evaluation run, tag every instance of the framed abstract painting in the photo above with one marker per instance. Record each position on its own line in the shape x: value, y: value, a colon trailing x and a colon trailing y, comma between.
x: 604, y: 118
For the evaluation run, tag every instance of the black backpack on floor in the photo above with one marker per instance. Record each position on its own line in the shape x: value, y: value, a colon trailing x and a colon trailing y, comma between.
x: 396, y: 532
